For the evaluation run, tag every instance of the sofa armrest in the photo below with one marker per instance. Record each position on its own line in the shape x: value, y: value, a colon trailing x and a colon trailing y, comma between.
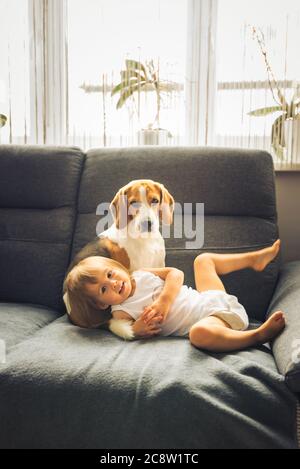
x: 286, y: 347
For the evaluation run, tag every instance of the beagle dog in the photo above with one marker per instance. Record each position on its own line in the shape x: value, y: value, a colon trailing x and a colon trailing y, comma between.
x: 137, y: 209
x: 134, y: 238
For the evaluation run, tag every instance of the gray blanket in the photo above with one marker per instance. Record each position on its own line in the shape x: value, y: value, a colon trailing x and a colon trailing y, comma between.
x: 72, y: 388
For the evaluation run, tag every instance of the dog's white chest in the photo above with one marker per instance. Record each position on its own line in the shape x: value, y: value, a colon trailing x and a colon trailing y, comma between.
x: 147, y: 254
x: 142, y: 252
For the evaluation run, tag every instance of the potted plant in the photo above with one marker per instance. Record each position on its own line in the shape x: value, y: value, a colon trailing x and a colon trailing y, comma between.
x: 286, y: 126
x: 139, y: 78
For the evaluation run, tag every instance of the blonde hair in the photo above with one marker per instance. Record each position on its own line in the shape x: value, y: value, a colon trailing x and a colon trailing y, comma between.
x: 84, y: 311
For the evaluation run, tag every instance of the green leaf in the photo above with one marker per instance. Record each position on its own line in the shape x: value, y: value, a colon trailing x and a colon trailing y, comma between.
x: 135, y: 65
x: 124, y: 97
x: 127, y: 93
x: 124, y: 84
x: 127, y: 74
x: 282, y: 99
x: 3, y: 120
x: 124, y: 88
x: 265, y: 111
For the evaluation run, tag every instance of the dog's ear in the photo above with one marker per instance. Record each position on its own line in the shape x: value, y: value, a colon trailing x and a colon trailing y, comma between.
x: 166, y: 209
x: 119, y: 209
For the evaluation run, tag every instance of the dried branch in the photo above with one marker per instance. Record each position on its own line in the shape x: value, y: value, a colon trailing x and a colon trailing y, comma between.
x: 261, y: 42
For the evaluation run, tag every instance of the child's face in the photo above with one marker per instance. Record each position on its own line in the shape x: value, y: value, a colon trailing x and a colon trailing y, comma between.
x: 113, y: 286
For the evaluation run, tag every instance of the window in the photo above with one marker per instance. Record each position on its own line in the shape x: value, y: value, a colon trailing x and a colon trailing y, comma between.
x: 61, y: 60
x: 102, y: 35
x: 242, y: 78
x: 14, y: 71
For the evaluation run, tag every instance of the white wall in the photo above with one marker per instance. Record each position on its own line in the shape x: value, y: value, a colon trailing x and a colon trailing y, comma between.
x: 288, y: 208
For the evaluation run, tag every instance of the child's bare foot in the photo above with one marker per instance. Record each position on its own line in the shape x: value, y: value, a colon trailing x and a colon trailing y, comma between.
x: 263, y: 257
x: 271, y: 328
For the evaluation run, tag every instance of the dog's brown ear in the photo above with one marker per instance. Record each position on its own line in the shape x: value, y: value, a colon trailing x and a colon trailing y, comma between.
x: 119, y: 209
x: 166, y: 207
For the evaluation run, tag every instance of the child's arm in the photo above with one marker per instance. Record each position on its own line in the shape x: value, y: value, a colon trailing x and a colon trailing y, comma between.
x: 125, y: 327
x: 173, y: 282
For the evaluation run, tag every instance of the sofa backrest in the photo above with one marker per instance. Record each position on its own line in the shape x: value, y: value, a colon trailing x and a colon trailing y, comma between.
x: 236, y: 187
x: 38, y: 197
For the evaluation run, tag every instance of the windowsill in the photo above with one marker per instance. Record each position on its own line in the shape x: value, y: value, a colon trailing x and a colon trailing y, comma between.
x: 286, y: 167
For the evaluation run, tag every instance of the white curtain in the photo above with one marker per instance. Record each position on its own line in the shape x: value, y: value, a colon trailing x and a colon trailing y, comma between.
x: 215, y: 76
x: 14, y: 71
x: 200, y: 71
x: 48, y: 71
x: 33, y: 71
x: 67, y: 52
x: 258, y: 72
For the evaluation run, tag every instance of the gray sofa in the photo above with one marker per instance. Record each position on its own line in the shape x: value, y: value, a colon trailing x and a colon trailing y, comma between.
x: 66, y: 387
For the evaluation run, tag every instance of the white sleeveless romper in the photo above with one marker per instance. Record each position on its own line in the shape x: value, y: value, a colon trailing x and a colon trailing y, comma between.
x: 188, y: 308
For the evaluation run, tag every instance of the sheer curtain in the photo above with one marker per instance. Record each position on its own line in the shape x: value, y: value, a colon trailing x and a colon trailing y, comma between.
x: 14, y: 71
x: 73, y: 54
x: 196, y: 79
x: 48, y: 71
x: 258, y: 77
x: 33, y: 84
x: 201, y: 71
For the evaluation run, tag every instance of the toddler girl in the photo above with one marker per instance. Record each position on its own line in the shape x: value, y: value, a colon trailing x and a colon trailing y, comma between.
x: 152, y: 302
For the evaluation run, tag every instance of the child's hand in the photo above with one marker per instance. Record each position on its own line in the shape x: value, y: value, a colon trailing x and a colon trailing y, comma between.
x: 157, y: 311
x: 143, y: 330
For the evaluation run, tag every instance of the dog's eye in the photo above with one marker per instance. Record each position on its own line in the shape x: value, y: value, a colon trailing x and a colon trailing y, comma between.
x: 109, y: 274
x: 155, y: 201
x: 103, y: 289
x: 135, y: 204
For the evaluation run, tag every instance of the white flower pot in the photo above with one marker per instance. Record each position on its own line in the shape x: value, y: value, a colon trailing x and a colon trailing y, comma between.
x: 292, y: 140
x: 153, y: 137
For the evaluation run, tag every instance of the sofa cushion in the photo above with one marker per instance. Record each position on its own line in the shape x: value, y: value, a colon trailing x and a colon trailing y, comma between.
x: 38, y: 196
x: 236, y: 187
x: 89, y: 389
x: 229, y: 181
x: 286, y: 347
x: 20, y: 321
